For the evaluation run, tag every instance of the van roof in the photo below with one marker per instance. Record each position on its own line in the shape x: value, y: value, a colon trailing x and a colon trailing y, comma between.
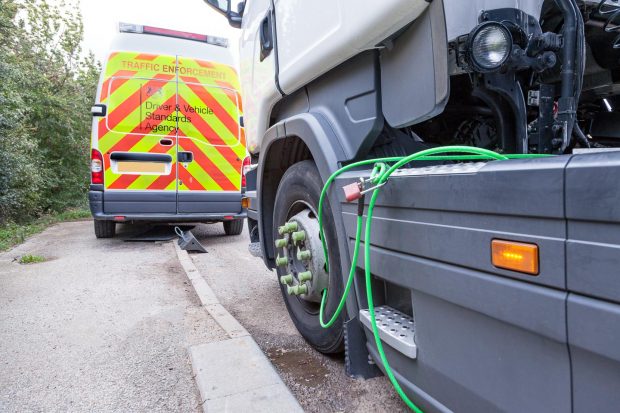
x: 162, y: 44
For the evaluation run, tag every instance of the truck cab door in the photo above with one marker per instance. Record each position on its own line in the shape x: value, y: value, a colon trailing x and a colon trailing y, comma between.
x: 257, y: 60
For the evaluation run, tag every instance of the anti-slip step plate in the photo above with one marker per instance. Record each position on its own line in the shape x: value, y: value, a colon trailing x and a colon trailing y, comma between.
x: 395, y: 329
x: 451, y: 169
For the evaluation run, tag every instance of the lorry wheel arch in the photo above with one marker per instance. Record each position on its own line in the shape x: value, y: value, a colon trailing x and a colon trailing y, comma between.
x: 315, y: 140
x: 305, y: 136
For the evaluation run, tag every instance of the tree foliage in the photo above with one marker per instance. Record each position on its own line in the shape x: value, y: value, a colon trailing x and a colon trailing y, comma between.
x: 46, y: 89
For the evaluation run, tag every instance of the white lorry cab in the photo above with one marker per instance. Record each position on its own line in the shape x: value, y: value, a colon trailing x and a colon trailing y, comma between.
x: 435, y: 184
x: 167, y: 136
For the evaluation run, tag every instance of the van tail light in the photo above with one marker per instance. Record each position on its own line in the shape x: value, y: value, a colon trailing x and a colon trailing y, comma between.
x: 245, y: 168
x: 96, y: 167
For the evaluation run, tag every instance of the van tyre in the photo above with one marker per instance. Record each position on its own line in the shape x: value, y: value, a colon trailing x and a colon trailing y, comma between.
x: 104, y: 229
x: 299, y: 189
x: 234, y: 227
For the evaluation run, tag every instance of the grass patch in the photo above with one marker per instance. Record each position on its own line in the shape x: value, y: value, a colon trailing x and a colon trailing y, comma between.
x: 12, y: 233
x: 31, y: 259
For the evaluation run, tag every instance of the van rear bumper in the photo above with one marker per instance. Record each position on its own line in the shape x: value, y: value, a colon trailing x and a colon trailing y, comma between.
x: 131, y: 207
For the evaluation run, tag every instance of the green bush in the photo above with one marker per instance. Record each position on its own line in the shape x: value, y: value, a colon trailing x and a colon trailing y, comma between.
x: 46, y: 89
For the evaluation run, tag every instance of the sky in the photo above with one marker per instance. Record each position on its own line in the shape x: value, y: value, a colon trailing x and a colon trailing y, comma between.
x: 101, y: 20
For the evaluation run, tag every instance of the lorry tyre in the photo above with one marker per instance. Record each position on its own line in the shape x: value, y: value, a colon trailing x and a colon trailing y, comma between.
x: 104, y: 229
x: 296, y: 203
x: 234, y: 227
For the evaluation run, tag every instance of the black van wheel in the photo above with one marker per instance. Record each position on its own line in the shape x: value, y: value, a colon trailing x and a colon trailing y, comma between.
x: 234, y: 227
x: 300, y: 260
x: 104, y: 229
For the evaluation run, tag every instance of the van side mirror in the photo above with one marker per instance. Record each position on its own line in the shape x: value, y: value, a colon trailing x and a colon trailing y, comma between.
x: 225, y: 7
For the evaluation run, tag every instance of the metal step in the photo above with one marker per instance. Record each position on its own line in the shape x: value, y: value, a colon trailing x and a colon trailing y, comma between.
x: 396, y: 329
x: 255, y: 249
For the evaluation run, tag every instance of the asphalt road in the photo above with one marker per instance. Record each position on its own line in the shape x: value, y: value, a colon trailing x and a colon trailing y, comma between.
x: 102, y: 325
x: 251, y: 293
x: 105, y: 326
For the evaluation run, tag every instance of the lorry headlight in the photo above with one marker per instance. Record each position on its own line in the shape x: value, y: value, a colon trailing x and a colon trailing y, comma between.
x: 490, y: 45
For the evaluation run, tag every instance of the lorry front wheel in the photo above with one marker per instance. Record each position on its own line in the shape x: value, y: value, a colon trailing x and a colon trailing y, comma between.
x: 234, y: 227
x: 300, y: 261
x: 104, y: 229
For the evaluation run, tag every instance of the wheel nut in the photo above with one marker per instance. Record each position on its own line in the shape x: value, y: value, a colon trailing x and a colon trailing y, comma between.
x: 299, y: 236
x: 302, y: 289
x: 292, y: 226
x: 293, y: 290
x: 286, y: 279
x: 304, y: 276
x: 287, y: 228
x: 281, y: 261
x: 303, y: 255
x: 281, y: 243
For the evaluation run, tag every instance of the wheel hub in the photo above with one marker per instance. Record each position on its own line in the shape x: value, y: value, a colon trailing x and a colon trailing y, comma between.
x: 300, y: 256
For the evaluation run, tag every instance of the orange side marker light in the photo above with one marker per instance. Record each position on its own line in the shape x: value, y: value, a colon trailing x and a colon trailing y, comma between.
x: 515, y: 256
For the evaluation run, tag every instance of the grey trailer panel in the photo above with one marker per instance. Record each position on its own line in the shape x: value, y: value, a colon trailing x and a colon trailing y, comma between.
x: 488, y: 339
x: 465, y: 239
x: 454, y: 218
x: 509, y: 301
x: 593, y: 330
x: 593, y: 212
x: 471, y: 325
x: 593, y: 269
x: 511, y: 188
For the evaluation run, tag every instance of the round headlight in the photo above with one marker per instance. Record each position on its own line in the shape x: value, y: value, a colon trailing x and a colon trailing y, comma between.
x: 490, y: 46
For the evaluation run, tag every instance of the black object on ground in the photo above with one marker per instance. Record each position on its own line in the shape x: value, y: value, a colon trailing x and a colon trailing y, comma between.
x: 153, y: 233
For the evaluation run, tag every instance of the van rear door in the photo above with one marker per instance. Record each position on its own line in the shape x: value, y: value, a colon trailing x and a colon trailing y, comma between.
x: 138, y: 137
x: 211, y: 143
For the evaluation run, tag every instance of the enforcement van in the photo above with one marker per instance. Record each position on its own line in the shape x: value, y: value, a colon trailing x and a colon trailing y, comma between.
x: 167, y: 140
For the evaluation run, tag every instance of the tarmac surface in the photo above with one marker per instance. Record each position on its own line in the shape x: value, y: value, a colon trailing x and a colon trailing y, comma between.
x: 105, y: 326
x: 102, y: 325
x: 250, y: 292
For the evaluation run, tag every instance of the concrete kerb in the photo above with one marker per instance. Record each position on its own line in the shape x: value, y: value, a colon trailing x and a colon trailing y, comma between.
x: 233, y: 375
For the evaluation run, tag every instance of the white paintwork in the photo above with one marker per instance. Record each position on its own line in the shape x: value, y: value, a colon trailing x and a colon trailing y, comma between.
x: 258, y: 87
x: 462, y: 15
x: 315, y: 36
